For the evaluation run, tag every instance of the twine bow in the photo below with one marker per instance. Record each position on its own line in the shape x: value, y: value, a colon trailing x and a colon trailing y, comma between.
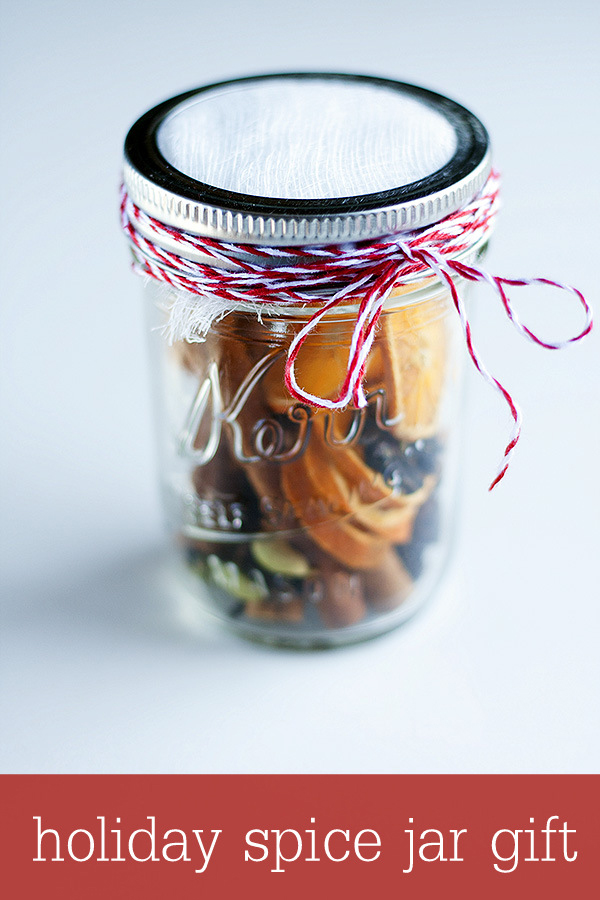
x: 327, y: 277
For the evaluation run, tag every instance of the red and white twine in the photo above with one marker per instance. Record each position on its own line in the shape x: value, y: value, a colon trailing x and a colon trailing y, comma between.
x: 327, y: 277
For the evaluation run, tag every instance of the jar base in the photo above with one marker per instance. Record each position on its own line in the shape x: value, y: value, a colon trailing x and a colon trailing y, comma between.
x: 307, y: 637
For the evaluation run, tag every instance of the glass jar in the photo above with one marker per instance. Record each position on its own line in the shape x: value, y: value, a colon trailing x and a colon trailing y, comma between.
x: 295, y: 524
x: 304, y: 526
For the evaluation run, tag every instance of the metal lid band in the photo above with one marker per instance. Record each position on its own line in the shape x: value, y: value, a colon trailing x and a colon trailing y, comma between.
x: 175, y: 198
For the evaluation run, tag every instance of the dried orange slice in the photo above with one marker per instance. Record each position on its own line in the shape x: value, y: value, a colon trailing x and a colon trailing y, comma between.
x: 413, y: 348
x: 322, y: 499
x: 408, y: 360
x: 351, y: 512
x: 393, y: 519
x: 321, y: 366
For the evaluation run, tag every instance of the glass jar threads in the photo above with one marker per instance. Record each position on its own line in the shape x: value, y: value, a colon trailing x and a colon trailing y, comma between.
x: 306, y: 340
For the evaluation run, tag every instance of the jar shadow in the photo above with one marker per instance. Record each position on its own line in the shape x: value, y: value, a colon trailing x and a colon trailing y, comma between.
x: 138, y: 600
x: 127, y: 599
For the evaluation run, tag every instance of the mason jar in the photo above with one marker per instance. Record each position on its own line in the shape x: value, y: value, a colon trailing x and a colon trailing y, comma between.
x: 294, y: 518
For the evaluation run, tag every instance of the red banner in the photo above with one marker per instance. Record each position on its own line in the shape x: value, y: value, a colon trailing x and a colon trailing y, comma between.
x: 293, y: 836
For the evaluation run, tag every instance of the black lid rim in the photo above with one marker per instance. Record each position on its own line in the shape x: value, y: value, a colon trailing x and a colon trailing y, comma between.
x: 143, y: 155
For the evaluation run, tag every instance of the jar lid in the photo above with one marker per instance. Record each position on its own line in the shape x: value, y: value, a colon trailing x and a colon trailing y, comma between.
x: 300, y: 159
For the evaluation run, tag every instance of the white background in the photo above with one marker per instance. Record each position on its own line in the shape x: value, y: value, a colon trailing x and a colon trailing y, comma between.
x: 102, y: 668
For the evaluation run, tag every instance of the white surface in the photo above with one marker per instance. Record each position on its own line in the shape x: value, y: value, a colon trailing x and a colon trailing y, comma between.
x: 99, y: 670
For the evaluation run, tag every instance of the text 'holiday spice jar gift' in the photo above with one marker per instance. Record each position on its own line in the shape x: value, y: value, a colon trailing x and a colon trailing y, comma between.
x: 308, y: 241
